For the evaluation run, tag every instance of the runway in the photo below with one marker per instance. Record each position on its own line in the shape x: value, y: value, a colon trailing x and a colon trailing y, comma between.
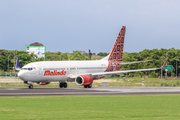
x: 88, y: 91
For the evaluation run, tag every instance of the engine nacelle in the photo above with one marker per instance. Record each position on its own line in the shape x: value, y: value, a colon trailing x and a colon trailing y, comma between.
x: 42, y: 83
x: 84, y: 80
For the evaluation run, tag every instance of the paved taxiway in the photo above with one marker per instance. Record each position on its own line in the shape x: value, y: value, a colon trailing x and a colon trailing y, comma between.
x: 88, y: 91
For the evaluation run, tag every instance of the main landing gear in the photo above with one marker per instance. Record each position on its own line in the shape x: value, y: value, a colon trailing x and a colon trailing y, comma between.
x: 63, y: 84
x: 30, y: 86
x: 88, y: 86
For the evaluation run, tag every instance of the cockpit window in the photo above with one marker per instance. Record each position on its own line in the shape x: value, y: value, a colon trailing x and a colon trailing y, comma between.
x: 26, y: 68
x: 29, y: 68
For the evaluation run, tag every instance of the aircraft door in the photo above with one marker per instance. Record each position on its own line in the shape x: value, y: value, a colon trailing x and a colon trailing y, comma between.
x: 40, y: 69
x: 76, y: 71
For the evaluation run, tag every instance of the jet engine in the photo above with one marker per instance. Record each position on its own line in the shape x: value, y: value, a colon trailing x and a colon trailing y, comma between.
x: 84, y: 80
x: 42, y: 83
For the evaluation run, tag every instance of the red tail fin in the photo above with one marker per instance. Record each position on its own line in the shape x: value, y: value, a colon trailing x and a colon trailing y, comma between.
x: 117, y: 52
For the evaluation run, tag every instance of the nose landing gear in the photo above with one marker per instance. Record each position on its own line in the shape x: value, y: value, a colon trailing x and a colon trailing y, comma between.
x: 63, y: 84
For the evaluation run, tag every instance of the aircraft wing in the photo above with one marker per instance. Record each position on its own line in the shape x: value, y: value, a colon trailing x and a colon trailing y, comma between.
x: 119, y: 72
x: 135, y: 62
x: 94, y: 75
x: 127, y: 71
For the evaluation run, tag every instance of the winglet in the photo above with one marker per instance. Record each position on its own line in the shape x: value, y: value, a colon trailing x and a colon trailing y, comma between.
x: 165, y: 62
x: 17, y: 64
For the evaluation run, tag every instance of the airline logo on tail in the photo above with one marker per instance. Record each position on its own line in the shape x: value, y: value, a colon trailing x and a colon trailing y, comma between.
x: 116, y: 54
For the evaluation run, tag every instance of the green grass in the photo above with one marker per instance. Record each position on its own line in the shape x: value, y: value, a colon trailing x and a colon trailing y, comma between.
x: 144, y: 82
x: 143, y: 107
x: 120, y: 82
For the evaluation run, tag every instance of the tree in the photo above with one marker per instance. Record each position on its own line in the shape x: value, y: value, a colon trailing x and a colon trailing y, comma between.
x: 36, y: 44
x: 102, y: 54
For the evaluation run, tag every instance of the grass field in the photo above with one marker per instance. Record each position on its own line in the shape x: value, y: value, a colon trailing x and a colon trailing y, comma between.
x: 117, y: 82
x: 143, y: 107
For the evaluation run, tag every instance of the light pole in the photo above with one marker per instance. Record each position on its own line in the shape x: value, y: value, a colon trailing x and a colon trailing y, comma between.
x: 8, y: 64
x: 176, y: 66
x: 161, y: 67
x: 14, y: 63
x: 161, y: 63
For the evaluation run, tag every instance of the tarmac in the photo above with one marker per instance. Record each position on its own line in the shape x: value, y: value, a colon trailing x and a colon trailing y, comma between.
x: 88, y: 91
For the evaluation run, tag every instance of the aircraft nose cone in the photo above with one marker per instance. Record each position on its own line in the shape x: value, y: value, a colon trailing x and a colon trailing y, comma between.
x: 21, y: 75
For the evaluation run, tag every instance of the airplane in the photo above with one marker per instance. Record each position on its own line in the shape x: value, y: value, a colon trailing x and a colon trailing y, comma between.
x: 83, y: 73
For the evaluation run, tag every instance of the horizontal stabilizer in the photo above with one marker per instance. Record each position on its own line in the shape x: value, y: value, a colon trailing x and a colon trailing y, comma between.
x: 136, y: 62
x: 125, y: 71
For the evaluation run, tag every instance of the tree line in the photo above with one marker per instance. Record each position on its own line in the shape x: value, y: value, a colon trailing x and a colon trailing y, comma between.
x: 8, y: 59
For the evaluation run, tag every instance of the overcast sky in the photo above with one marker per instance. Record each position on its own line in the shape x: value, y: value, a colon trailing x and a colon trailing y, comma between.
x: 69, y: 25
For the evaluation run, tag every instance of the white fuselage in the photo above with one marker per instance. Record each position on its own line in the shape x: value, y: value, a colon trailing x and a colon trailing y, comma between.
x: 51, y: 71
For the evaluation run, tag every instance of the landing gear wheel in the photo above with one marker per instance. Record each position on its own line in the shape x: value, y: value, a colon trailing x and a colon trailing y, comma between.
x: 85, y: 86
x: 30, y: 86
x: 89, y: 86
x: 65, y: 85
x: 61, y: 85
